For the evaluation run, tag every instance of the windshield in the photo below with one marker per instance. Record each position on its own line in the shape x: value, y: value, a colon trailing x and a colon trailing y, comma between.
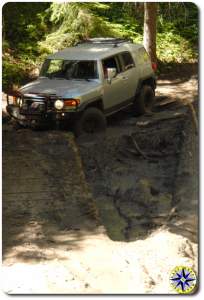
x: 69, y: 69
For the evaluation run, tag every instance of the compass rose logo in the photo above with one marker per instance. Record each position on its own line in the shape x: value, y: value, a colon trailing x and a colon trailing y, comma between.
x: 183, y: 279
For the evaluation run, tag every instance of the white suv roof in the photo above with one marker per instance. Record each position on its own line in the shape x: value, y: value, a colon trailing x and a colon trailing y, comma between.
x: 94, y: 49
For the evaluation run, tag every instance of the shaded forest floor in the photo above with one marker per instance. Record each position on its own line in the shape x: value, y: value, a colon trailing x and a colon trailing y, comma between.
x: 137, y: 218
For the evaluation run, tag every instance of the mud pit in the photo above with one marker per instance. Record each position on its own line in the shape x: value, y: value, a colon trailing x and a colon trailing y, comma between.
x: 121, y: 227
x: 133, y: 173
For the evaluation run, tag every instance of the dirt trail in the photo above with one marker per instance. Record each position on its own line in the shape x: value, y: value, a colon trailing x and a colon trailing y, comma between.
x: 120, y: 228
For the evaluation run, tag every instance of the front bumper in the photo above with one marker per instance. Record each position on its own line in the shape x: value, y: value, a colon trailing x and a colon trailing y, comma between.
x: 37, y: 109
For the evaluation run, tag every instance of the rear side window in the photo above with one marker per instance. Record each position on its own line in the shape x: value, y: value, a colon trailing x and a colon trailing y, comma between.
x: 143, y: 56
x: 127, y: 60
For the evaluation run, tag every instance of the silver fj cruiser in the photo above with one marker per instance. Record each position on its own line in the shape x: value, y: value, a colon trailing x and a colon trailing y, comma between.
x: 86, y: 83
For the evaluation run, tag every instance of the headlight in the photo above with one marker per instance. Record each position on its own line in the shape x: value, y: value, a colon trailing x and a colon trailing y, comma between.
x: 59, y: 104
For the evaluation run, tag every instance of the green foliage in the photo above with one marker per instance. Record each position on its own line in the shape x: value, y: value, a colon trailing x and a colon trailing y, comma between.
x: 32, y: 30
x: 23, y: 24
x: 174, y: 48
x: 177, y: 32
x: 177, y: 27
x: 73, y: 22
x: 14, y: 71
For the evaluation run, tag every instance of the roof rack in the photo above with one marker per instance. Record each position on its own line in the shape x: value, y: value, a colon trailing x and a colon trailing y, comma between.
x: 105, y: 41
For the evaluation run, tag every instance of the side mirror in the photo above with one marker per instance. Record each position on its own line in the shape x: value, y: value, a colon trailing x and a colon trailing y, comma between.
x: 111, y: 74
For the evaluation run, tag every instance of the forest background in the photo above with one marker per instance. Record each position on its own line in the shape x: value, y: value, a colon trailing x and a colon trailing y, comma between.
x: 32, y: 30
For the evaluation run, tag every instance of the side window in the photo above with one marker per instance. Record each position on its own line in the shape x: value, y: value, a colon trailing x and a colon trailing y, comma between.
x: 111, y: 62
x: 127, y: 60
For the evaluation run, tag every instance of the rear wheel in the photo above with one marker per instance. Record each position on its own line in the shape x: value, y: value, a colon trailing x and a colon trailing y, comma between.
x: 145, y: 100
x: 91, y: 121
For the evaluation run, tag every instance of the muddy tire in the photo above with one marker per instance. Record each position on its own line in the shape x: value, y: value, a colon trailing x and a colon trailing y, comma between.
x: 145, y: 100
x: 91, y: 121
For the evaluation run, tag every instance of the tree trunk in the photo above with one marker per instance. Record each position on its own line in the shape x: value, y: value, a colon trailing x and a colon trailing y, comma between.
x: 149, y: 39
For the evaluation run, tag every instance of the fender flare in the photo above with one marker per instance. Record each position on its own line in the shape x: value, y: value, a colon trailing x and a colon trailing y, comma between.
x: 96, y: 102
x: 141, y: 82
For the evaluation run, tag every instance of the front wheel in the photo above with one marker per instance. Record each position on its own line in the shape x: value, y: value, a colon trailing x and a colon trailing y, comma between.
x: 91, y: 121
x: 145, y: 100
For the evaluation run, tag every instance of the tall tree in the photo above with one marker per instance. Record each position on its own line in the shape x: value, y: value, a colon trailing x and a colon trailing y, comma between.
x: 149, y: 38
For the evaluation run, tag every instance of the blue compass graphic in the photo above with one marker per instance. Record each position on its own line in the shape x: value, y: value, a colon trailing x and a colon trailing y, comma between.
x: 183, y: 279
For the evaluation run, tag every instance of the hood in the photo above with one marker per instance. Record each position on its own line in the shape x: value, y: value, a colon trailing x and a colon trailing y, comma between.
x: 60, y: 87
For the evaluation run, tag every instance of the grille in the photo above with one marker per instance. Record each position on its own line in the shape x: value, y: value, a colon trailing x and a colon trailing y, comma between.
x: 32, y: 105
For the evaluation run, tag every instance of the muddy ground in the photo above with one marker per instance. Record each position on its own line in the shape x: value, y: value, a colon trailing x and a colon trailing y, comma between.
x: 135, y: 175
x: 112, y: 213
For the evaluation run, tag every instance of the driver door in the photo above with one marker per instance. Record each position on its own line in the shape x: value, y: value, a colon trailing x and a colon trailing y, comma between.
x: 114, y: 92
